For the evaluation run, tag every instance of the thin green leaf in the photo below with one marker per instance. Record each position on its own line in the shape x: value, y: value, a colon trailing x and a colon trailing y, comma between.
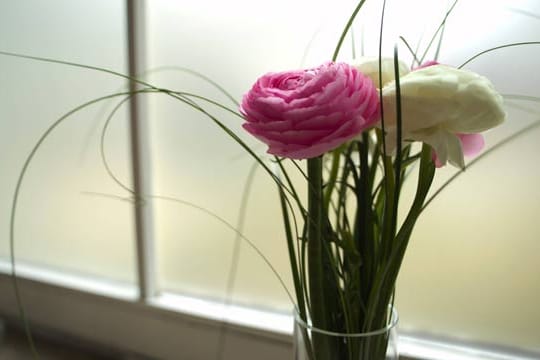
x: 346, y: 29
x: 381, y: 108
x: 411, y: 51
x: 235, y: 258
x: 495, y: 147
x: 441, y: 26
x: 497, y: 48
x: 197, y: 74
x: 399, y: 145
x: 14, y: 204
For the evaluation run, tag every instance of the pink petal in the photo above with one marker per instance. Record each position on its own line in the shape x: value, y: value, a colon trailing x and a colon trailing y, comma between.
x: 472, y: 144
x: 427, y: 64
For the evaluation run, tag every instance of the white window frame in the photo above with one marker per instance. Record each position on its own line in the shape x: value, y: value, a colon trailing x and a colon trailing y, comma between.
x: 137, y: 321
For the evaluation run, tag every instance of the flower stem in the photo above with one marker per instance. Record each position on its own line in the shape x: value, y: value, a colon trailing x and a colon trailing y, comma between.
x: 319, y: 310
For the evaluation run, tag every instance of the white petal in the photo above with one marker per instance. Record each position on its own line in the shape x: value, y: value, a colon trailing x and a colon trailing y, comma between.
x: 446, y: 145
x: 440, y: 96
x: 369, y: 66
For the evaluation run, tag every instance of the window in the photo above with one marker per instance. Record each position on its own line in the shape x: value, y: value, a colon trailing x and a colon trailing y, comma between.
x: 61, y: 224
x: 473, y: 285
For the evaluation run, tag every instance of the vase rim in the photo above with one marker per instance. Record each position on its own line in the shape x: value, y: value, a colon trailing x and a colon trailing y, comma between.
x: 392, y: 323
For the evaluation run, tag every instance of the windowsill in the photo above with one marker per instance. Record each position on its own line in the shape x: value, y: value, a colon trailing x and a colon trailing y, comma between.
x: 106, y: 313
x: 269, y: 322
x: 104, y: 287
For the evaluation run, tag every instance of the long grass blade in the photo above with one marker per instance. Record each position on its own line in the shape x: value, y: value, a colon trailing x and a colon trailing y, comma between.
x: 235, y: 259
x: 220, y: 124
x: 399, y: 142
x: 346, y: 29
x: 411, y: 51
x: 383, y: 125
x: 14, y: 204
x: 439, y: 29
x: 497, y: 48
x: 196, y: 74
x: 496, y: 147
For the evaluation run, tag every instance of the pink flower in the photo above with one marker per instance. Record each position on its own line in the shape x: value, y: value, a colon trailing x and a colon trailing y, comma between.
x: 426, y: 64
x: 303, y: 114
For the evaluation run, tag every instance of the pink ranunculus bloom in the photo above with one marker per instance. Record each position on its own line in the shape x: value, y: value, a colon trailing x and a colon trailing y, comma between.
x: 303, y: 114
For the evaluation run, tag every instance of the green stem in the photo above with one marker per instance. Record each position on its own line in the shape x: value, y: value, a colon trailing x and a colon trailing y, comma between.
x: 319, y: 311
x: 364, y: 230
x: 336, y: 155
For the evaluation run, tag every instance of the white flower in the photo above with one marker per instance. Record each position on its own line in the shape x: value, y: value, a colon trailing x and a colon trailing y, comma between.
x: 369, y: 66
x: 438, y: 103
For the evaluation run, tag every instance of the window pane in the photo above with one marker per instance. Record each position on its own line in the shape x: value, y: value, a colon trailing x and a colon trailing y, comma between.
x: 470, y: 270
x: 60, y: 222
x: 195, y: 161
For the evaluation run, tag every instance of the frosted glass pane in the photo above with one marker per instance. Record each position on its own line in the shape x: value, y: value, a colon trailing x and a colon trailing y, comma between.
x: 472, y: 268
x: 194, y: 161
x: 60, y: 223
x: 477, y: 237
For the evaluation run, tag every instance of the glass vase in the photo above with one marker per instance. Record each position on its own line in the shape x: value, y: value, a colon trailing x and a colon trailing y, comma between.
x: 311, y: 343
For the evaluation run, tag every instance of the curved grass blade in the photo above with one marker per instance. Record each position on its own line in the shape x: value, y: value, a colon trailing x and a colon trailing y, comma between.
x: 22, y: 174
x: 299, y: 284
x: 411, y: 51
x: 13, y: 212
x: 197, y: 74
x: 224, y: 222
x: 102, y: 146
x: 168, y: 92
x: 68, y: 63
x: 117, y: 107
x: 346, y: 29
x: 242, y: 211
x: 439, y: 43
x: 497, y: 146
x: 235, y: 256
x: 525, y: 13
x: 497, y: 48
x: 308, y: 47
x: 439, y: 29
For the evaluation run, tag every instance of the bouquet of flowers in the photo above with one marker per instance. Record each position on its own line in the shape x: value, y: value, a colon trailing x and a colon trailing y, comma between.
x: 361, y: 130
x: 358, y: 128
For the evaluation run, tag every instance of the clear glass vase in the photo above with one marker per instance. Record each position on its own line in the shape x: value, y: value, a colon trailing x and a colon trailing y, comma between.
x: 311, y: 343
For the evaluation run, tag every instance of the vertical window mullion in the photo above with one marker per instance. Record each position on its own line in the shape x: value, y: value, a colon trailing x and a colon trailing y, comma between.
x: 140, y: 157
